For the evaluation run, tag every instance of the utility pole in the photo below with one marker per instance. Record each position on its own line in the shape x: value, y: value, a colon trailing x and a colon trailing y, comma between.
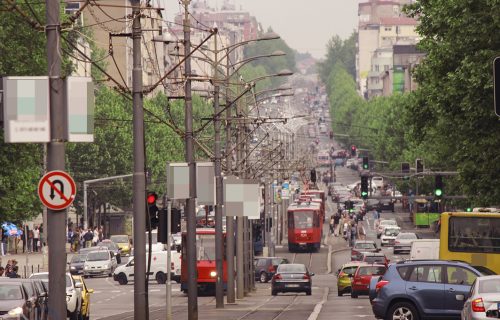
x: 190, y: 202
x: 229, y: 219
x: 139, y: 179
x: 56, y: 228
x: 240, y: 277
x: 219, y: 285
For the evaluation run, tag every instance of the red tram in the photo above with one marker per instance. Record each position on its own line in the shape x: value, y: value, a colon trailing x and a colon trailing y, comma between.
x: 317, y: 196
x: 205, y: 261
x: 305, y: 228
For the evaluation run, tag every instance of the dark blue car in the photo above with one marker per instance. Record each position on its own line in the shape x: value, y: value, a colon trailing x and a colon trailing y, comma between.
x: 422, y: 289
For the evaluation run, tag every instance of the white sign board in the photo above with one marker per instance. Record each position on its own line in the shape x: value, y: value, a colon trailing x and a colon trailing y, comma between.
x: 242, y: 198
x: 178, y: 182
x: 26, y: 109
x: 80, y: 100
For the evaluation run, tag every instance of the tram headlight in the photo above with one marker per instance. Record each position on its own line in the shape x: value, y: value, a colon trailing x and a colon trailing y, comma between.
x: 213, y: 274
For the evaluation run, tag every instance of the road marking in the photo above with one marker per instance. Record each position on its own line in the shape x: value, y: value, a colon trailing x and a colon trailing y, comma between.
x: 155, y: 290
x: 116, y: 291
x: 317, y: 308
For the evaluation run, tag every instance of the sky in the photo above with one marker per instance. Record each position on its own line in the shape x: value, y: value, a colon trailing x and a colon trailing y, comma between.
x: 306, y: 25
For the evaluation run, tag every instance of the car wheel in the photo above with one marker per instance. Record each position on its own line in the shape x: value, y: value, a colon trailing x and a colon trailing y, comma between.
x: 403, y: 311
x: 308, y: 292
x: 263, y: 277
x: 354, y: 295
x: 274, y: 292
x: 161, y: 278
x: 122, y: 279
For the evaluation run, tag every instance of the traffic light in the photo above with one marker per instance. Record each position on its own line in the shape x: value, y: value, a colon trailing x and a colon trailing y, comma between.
x: 353, y: 150
x: 469, y: 209
x: 364, y: 187
x: 405, y: 169
x: 438, y: 187
x: 366, y: 164
x: 152, y: 211
x: 163, y: 223
x: 313, y: 175
x: 419, y: 165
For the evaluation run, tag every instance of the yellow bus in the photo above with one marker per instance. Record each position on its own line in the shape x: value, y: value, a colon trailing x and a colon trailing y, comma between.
x: 473, y: 237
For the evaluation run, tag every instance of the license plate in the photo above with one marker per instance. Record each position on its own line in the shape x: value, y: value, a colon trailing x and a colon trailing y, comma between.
x: 292, y: 285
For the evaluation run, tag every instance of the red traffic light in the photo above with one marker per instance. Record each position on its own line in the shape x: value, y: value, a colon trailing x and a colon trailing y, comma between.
x: 151, y: 199
x: 353, y: 147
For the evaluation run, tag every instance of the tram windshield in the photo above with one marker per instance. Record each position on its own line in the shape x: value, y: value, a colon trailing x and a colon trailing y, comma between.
x: 205, y: 245
x: 304, y: 219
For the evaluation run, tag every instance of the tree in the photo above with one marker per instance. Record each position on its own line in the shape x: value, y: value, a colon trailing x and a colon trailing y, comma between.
x: 339, y: 51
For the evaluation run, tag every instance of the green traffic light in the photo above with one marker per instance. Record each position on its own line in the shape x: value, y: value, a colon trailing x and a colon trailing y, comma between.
x: 364, y: 193
x: 438, y: 192
x: 469, y: 209
x: 365, y: 167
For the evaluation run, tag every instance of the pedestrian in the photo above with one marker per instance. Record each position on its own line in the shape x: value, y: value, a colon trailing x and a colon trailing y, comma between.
x: 95, y: 238
x: 332, y: 228
x: 361, y: 231
x: 2, y: 270
x: 88, y: 237
x: 30, y: 240
x: 353, y: 233
x: 13, y: 272
x: 36, y: 237
x: 336, y: 221
x: 24, y: 238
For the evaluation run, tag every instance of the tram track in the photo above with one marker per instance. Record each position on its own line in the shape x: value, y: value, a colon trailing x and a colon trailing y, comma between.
x: 277, y: 316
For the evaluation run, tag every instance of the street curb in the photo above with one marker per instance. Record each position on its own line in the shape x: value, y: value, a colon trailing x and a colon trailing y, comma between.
x: 317, y: 308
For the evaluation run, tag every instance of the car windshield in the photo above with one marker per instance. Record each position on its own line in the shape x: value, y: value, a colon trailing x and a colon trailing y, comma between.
x: 388, y: 223
x: 407, y: 236
x: 391, y: 232
x: 45, y: 279
x: 79, y: 258
x: 489, y: 286
x: 10, y: 292
x: 374, y: 259
x: 290, y: 268
x: 371, y: 271
x: 109, y: 245
x: 365, y: 245
x: 98, y: 256
x: 119, y: 239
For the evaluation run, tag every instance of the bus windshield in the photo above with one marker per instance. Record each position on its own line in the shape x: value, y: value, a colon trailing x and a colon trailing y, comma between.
x: 205, y: 245
x: 479, y: 235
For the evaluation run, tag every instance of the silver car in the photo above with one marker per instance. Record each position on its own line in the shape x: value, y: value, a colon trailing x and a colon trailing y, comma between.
x: 403, y: 241
x: 99, y: 262
x: 483, y: 301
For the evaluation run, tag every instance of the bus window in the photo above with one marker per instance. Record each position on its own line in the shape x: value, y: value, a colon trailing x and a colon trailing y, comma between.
x: 479, y: 235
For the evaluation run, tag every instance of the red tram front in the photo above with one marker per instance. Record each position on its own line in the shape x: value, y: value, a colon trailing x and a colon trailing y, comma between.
x: 205, y: 261
x: 304, y: 226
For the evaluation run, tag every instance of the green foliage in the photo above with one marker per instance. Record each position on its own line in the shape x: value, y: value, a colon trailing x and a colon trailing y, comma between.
x: 449, y: 121
x: 339, y: 51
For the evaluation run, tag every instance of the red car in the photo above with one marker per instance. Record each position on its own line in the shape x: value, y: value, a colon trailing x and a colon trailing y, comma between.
x: 362, y: 276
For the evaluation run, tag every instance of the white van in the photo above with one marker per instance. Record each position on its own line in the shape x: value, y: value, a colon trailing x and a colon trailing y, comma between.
x: 424, y: 249
x: 158, y: 271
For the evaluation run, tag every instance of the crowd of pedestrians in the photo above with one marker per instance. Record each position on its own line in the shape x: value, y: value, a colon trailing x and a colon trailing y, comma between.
x: 11, y: 269
x: 349, y: 226
x: 84, y: 238
x: 30, y: 238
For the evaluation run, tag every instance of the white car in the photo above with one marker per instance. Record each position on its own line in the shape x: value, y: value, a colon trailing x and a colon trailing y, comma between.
x: 389, y: 235
x: 383, y: 224
x: 99, y: 262
x: 73, y: 293
x: 483, y: 300
x: 377, y: 182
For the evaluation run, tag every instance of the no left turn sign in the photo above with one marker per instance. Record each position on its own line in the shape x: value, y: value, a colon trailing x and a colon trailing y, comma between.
x: 57, y: 190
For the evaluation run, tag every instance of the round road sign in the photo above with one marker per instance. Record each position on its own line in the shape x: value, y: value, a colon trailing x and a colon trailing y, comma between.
x: 57, y: 190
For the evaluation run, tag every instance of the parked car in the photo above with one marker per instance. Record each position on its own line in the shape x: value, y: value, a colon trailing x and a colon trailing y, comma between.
x: 76, y: 263
x: 389, y: 235
x: 362, y: 276
x: 15, y: 302
x: 403, y: 241
x: 374, y: 257
x: 383, y: 224
x: 363, y: 246
x: 99, y: 262
x: 292, y: 278
x: 344, y: 276
x: 483, y: 300
x: 85, y: 292
x: 73, y: 294
x: 123, y: 243
x: 265, y: 268
x: 423, y: 289
x: 43, y: 298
